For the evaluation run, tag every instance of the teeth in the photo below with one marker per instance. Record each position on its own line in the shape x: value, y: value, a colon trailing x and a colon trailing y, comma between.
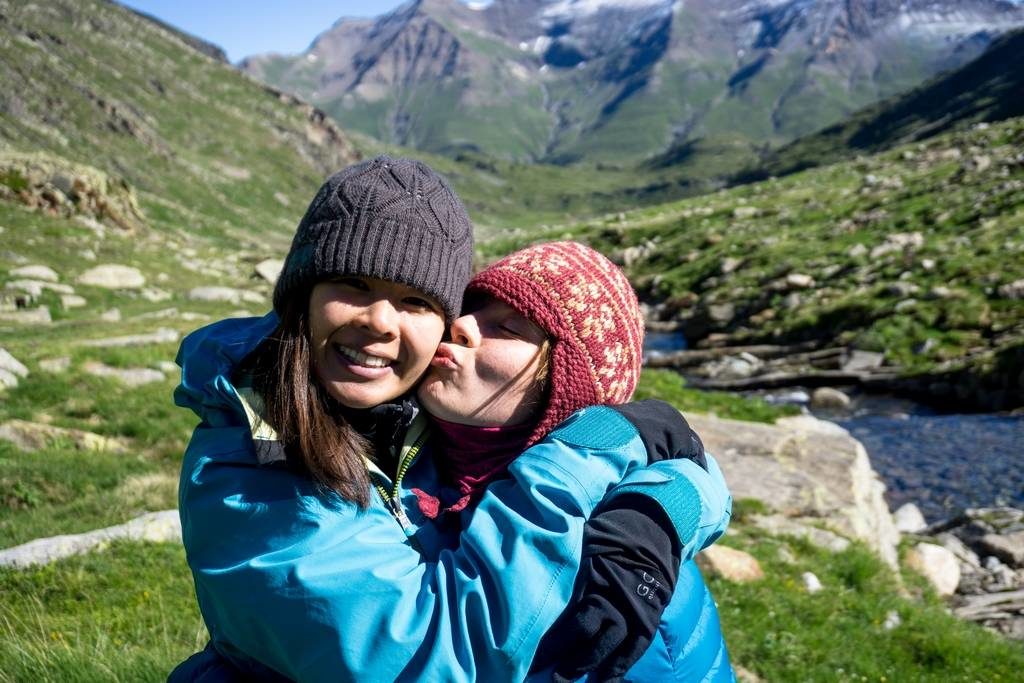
x: 361, y: 358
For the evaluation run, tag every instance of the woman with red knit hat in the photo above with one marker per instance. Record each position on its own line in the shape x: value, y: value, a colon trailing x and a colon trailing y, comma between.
x: 545, y: 332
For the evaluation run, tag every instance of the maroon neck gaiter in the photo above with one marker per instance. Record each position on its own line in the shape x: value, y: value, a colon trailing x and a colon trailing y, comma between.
x: 470, y: 458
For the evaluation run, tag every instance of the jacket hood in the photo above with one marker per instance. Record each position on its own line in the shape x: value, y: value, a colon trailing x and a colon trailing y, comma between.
x: 208, y: 357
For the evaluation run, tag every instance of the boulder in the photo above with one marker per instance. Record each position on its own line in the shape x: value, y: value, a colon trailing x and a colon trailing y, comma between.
x: 55, y: 365
x: 778, y: 525
x: 226, y: 294
x: 1012, y: 290
x: 132, y: 377
x: 811, y: 582
x: 36, y: 272
x: 112, y: 315
x: 936, y: 564
x: 32, y: 436
x: 113, y: 276
x: 799, y: 281
x: 69, y: 301
x: 909, y: 520
x: 157, y: 527
x: 12, y: 365
x: 807, y: 469
x: 861, y: 361
x: 1007, y: 547
x: 155, y: 295
x: 27, y: 316
x: 269, y: 269
x: 829, y: 399
x: 730, y: 564
x: 163, y: 335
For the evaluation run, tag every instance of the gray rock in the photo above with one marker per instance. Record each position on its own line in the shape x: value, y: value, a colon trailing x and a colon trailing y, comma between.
x: 1007, y: 547
x: 905, y: 305
x: 226, y: 294
x: 722, y: 313
x: 857, y: 250
x: 31, y: 436
x: 730, y: 265
x: 132, y: 377
x: 742, y: 212
x: 27, y: 316
x: 811, y: 582
x: 158, y: 527
x: 779, y: 525
x: 967, y: 557
x: 1012, y: 290
x: 792, y: 300
x: 799, y: 281
x: 269, y: 269
x: 936, y: 564
x: 909, y: 520
x: 730, y: 564
x: 8, y: 380
x: 163, y: 335
x: 861, y: 361
x: 12, y: 365
x: 154, y: 294
x: 55, y: 365
x: 892, y: 620
x: 806, y: 469
x: 69, y: 301
x: 112, y: 315
x: 902, y: 289
x: 36, y: 272
x: 113, y: 276
x: 829, y: 399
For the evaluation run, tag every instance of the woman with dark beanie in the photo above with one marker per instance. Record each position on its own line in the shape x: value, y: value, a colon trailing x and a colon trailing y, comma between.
x: 298, y: 514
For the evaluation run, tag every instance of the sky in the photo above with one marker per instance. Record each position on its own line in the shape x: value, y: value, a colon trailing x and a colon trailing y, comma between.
x: 251, y: 27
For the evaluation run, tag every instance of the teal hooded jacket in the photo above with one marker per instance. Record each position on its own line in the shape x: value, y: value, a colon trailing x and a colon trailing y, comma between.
x: 295, y: 582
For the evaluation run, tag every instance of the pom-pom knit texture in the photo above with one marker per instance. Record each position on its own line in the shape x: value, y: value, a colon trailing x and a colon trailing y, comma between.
x: 586, y: 305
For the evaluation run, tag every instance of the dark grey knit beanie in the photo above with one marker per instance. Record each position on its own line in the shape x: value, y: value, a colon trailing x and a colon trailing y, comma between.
x: 393, y: 219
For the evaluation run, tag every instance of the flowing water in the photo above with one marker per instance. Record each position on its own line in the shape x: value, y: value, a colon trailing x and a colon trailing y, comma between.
x: 941, y: 462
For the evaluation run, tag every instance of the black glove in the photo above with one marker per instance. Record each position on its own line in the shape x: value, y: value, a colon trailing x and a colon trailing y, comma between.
x: 664, y: 431
x: 631, y: 558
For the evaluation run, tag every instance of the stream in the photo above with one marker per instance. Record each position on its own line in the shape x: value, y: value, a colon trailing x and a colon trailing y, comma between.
x: 941, y: 462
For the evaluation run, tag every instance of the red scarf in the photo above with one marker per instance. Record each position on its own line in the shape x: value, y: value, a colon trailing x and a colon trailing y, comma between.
x: 472, y: 457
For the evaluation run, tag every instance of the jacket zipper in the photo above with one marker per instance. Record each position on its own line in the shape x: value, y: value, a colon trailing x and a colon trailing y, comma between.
x: 393, y: 500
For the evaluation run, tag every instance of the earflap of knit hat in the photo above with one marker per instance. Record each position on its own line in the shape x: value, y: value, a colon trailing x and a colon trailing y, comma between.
x: 590, y: 311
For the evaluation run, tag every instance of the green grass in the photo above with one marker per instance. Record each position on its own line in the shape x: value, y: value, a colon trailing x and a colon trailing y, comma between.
x: 127, y: 613
x: 670, y: 386
x: 777, y: 629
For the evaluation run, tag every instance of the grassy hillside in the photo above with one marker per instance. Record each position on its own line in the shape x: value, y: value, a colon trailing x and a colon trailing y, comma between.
x: 208, y: 152
x: 913, y: 253
x: 991, y: 88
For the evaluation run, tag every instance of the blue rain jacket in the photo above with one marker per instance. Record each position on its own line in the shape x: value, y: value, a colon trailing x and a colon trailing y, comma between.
x: 295, y: 582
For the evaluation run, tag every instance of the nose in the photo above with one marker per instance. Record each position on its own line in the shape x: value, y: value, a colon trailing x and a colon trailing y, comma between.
x: 465, y: 331
x: 380, y: 317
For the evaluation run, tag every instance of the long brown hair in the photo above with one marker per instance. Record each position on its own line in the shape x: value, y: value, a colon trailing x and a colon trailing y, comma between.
x: 318, y: 441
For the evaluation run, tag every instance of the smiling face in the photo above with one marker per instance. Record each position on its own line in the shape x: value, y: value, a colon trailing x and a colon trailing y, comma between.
x: 371, y: 339
x: 487, y: 375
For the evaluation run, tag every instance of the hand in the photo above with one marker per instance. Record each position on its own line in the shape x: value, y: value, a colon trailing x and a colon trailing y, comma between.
x: 664, y: 431
x: 631, y: 558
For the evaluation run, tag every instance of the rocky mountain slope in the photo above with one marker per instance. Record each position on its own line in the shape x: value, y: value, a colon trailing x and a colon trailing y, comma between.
x: 990, y: 88
x: 616, y: 81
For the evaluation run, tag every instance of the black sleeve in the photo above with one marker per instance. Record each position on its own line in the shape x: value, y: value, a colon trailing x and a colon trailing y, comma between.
x: 664, y: 431
x: 630, y: 566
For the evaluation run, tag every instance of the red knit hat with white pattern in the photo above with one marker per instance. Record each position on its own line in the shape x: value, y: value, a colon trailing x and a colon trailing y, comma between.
x: 590, y: 312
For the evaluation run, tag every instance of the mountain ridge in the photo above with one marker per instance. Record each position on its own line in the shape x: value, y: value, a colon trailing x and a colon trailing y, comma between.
x: 618, y: 82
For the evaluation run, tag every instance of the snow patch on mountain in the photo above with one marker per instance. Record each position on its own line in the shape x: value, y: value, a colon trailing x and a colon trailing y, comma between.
x: 577, y: 8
